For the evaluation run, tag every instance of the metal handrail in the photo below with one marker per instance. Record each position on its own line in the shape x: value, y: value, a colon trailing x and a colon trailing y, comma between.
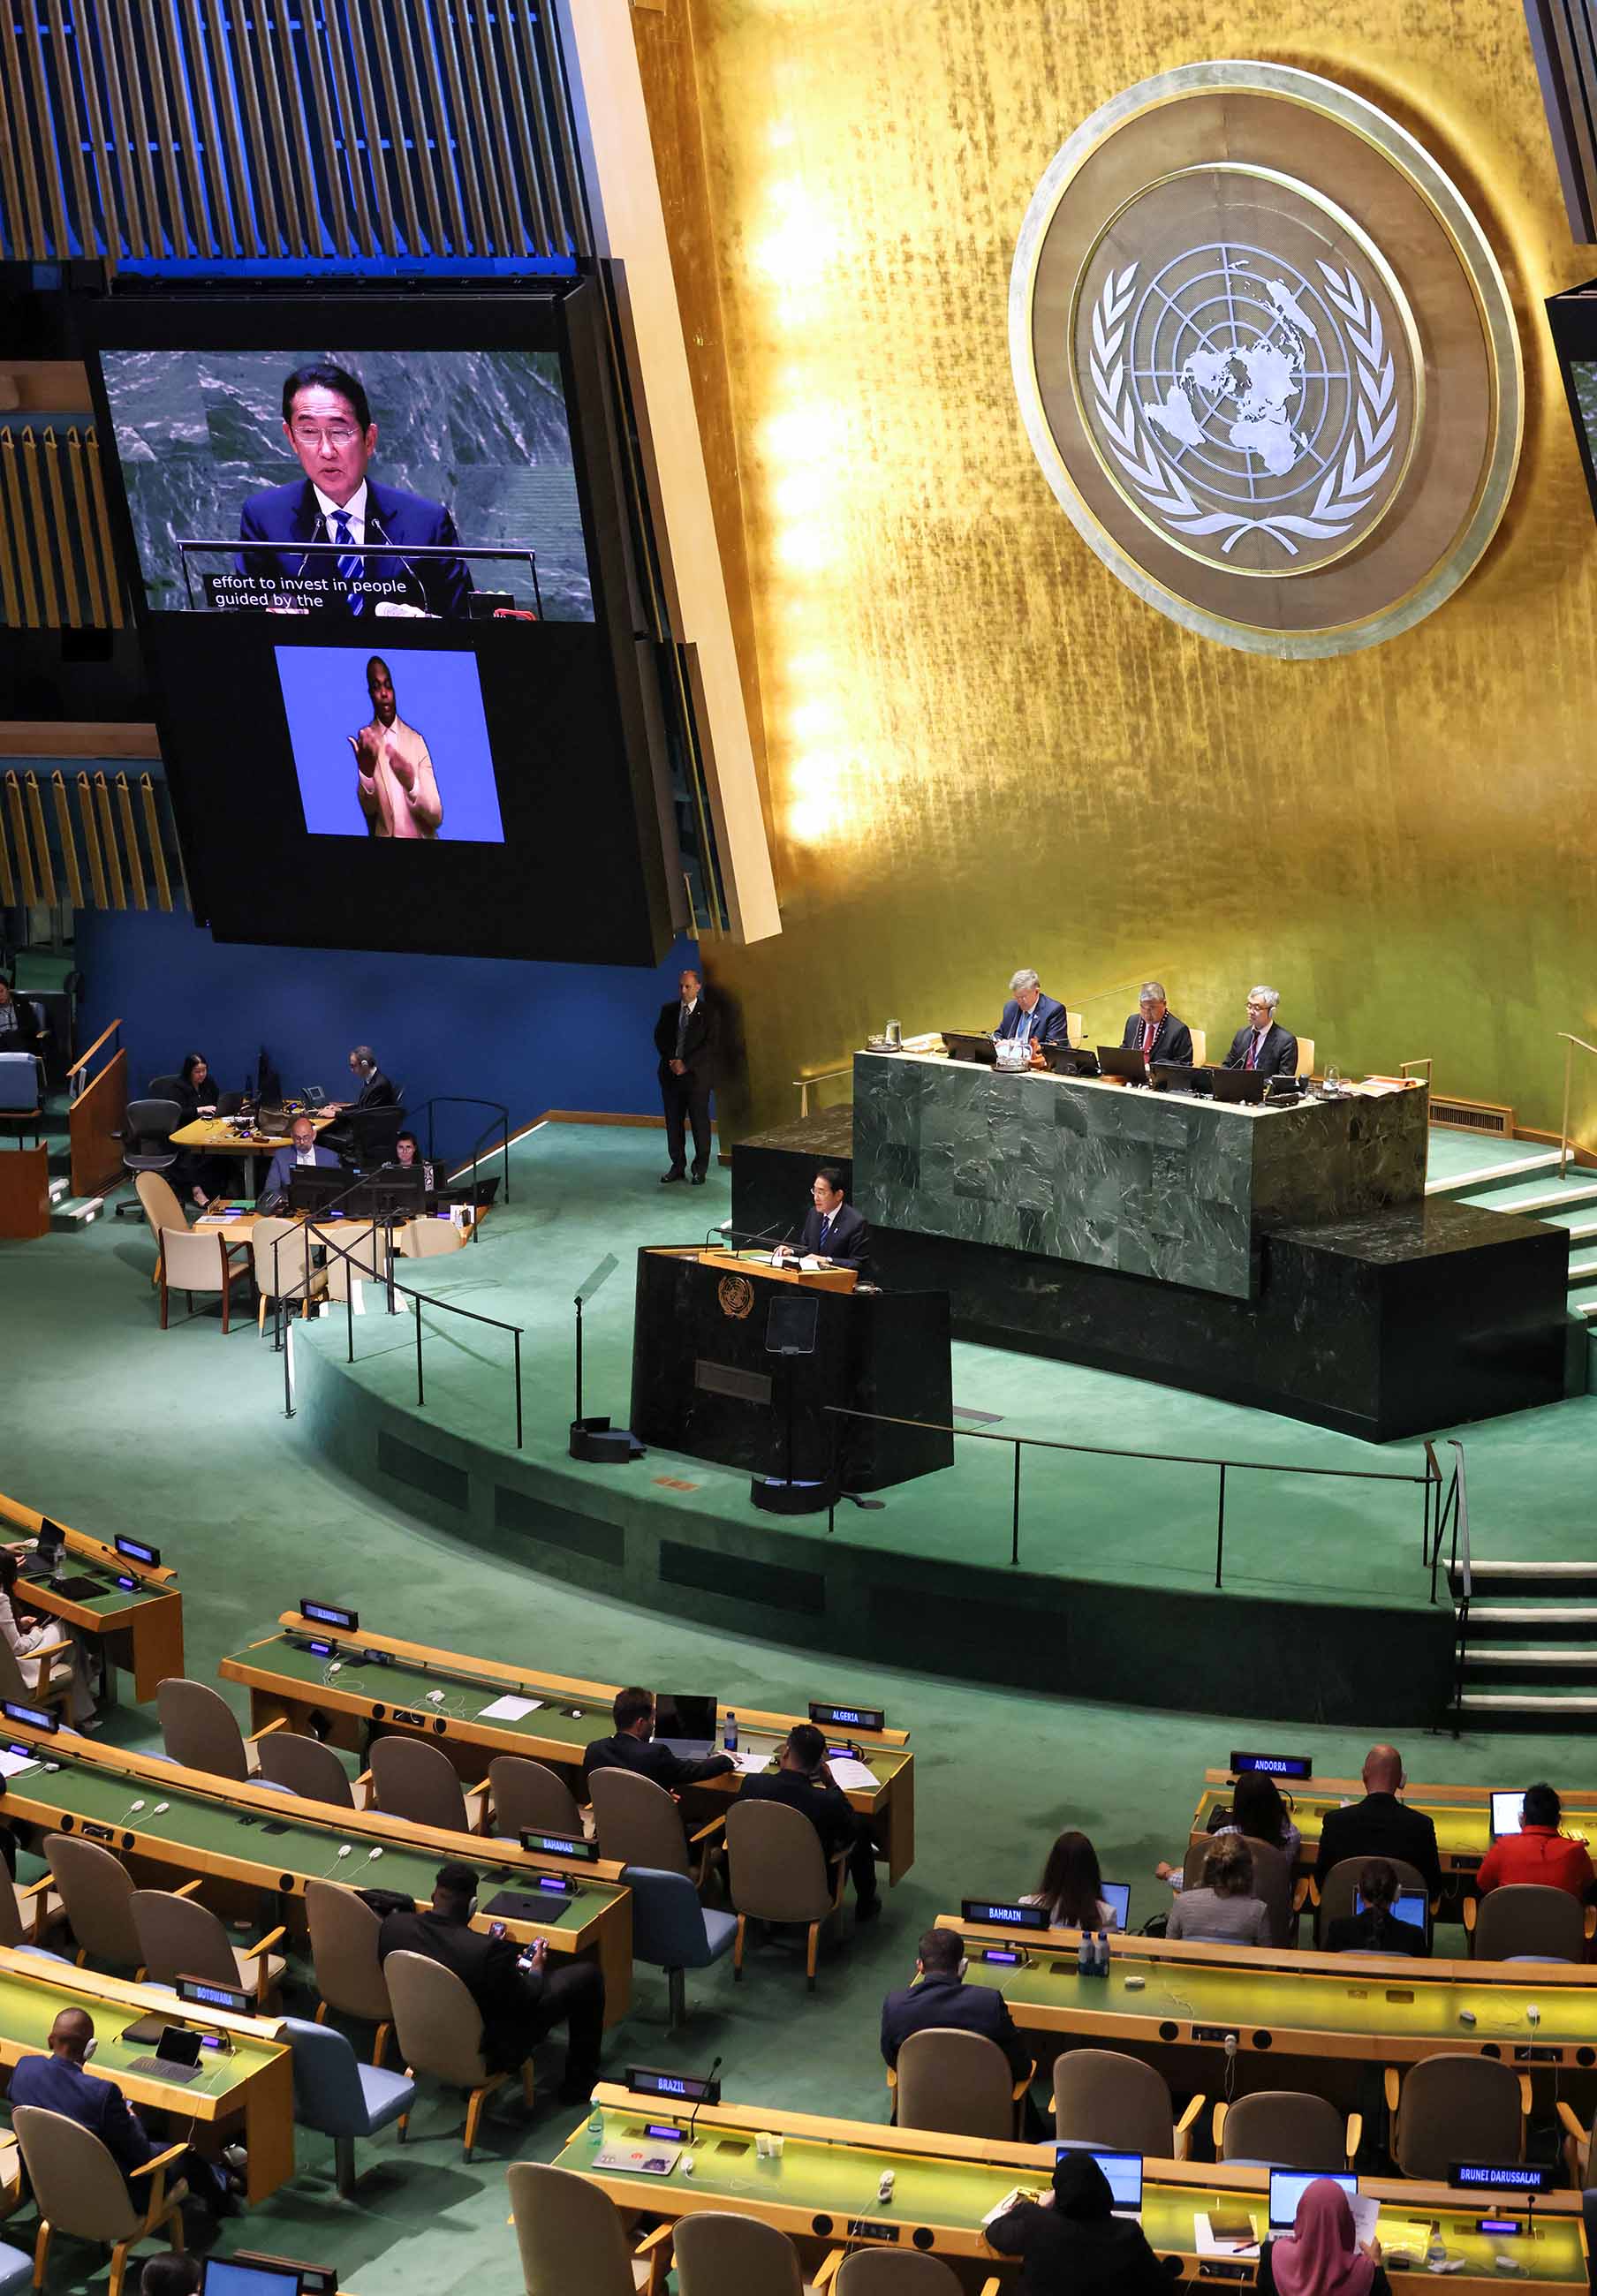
x: 1459, y: 1573
x: 1570, y: 1044
x: 501, y: 1124
x: 1106, y: 1451
x: 82, y: 1062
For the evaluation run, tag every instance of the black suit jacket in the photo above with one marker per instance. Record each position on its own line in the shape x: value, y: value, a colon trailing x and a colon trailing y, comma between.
x: 1278, y: 1054
x: 849, y: 1242
x: 950, y: 2001
x: 826, y: 1805
x: 1173, y: 1041
x: 651, y: 1759
x: 94, y: 2105
x: 509, y: 1996
x: 1106, y: 2256
x: 289, y: 514
x: 1374, y: 1933
x: 701, y: 1043
x: 1380, y: 1826
x: 377, y: 1092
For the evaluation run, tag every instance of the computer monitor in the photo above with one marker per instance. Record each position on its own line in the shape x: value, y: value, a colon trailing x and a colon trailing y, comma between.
x: 52, y: 1542
x: 1122, y: 1061
x: 1070, y: 1060
x: 968, y: 1045
x: 1118, y: 1897
x: 1409, y: 1906
x: 1174, y: 1076
x: 1122, y: 2172
x: 682, y: 1718
x: 231, y: 2276
x: 1289, y: 2185
x: 1505, y: 1811
x: 1244, y: 1085
x: 314, y: 1187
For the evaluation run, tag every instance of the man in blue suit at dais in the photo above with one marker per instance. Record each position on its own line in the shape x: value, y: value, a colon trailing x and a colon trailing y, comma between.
x: 327, y: 421
x: 1029, y: 1014
x: 287, y: 1161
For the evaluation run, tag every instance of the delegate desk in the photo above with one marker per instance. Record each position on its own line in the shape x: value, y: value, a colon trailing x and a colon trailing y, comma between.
x: 290, y: 1684
x: 232, y: 1135
x: 252, y: 2082
x: 245, y: 1839
x: 132, y: 1609
x: 1462, y: 1814
x: 1302, y: 2020
x: 705, y: 1383
x: 822, y: 2193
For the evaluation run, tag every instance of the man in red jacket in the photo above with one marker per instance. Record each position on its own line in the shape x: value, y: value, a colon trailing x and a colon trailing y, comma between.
x: 1539, y: 1853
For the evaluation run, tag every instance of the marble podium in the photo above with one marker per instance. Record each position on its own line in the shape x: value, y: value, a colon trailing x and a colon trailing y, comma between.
x: 1150, y: 1184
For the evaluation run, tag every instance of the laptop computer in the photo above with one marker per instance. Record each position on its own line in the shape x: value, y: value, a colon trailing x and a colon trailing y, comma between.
x: 1122, y: 1061
x: 1506, y: 1812
x: 1071, y: 1060
x: 47, y: 1556
x: 963, y: 1045
x: 1118, y: 1897
x: 1410, y: 1907
x: 1174, y: 1076
x: 1287, y: 2189
x: 1122, y: 2172
x: 1241, y: 1086
x: 228, y: 1104
x: 686, y: 1723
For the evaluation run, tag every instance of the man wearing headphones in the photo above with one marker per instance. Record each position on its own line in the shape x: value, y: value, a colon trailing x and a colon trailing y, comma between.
x: 375, y: 1089
x: 940, y: 1997
x: 59, y: 2083
x: 520, y: 2000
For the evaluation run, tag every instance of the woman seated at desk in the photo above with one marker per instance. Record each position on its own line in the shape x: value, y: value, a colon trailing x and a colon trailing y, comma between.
x: 1223, y: 1910
x: 197, y: 1093
x: 25, y: 1634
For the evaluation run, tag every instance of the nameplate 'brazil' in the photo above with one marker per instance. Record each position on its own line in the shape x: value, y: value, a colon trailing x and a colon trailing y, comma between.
x: 1266, y: 358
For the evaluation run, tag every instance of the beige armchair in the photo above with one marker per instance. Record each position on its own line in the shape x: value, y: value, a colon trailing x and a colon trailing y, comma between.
x: 180, y: 1938
x: 196, y: 1259
x: 80, y: 2191
x: 573, y: 2240
x: 439, y: 2029
x: 777, y: 1874
x: 345, y: 1960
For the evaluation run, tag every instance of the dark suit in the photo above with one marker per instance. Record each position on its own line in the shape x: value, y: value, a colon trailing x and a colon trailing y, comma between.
x: 289, y: 514
x: 651, y: 1759
x: 686, y: 1097
x: 1380, y: 1826
x: 517, y: 2007
x: 1048, y: 1024
x: 1373, y: 1932
x: 286, y: 1163
x: 56, y: 2085
x: 830, y: 1812
x: 1172, y: 1040
x: 22, y: 1035
x: 376, y: 1092
x: 948, y: 2001
x: 1278, y: 1054
x: 848, y: 1239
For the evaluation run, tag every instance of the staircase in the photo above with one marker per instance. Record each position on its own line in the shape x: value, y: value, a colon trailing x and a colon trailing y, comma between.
x: 69, y: 1214
x: 1531, y: 1654
x: 1527, y: 1182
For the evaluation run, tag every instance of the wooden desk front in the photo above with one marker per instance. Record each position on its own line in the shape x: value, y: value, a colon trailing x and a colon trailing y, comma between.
x: 826, y: 2182
x: 139, y: 1626
x: 290, y: 1684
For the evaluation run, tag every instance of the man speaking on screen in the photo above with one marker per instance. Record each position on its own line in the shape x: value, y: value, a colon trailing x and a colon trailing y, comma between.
x: 327, y: 421
x: 394, y: 782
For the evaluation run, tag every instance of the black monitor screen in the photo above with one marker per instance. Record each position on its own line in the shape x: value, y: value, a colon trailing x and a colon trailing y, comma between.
x: 383, y: 575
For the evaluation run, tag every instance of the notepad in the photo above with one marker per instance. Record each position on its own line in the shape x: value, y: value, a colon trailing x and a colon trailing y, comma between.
x: 751, y: 1762
x: 508, y: 1709
x: 1207, y: 2245
x: 852, y: 1776
x: 11, y: 1766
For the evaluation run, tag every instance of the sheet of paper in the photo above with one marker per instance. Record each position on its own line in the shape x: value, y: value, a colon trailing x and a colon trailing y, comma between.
x: 508, y: 1709
x: 11, y: 1766
x: 808, y: 1263
x: 1207, y: 2245
x: 219, y: 1219
x: 1366, y: 2214
x: 852, y: 1776
x: 751, y: 1761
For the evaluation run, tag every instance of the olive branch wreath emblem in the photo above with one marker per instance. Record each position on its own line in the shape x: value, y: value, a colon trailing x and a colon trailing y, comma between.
x: 1346, y: 489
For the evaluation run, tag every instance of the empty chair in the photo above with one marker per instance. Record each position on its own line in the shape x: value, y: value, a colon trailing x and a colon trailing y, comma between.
x: 16, y: 2270
x: 412, y: 1779
x: 344, y: 1961
x: 147, y: 1126
x: 1103, y: 2098
x: 672, y: 1932
x: 1272, y: 1881
x: 572, y: 2238
x: 1305, y: 1056
x: 280, y: 1255
x: 196, y: 1259
x: 81, y: 2192
x: 21, y: 1092
x: 304, y: 1766
x: 957, y: 2083
x: 361, y: 1252
x: 425, y: 1239
x: 778, y: 1874
x: 895, y: 2272
x: 528, y: 1797
x: 1341, y: 1885
x: 1455, y: 2108
x: 180, y: 1938
x: 440, y: 2027
x: 161, y: 1209
x: 200, y: 1729
x: 1526, y: 1921
x: 725, y: 2255
x: 1287, y: 2128
x: 1200, y: 1046
x: 638, y: 1824
x: 338, y: 2096
x: 96, y: 1897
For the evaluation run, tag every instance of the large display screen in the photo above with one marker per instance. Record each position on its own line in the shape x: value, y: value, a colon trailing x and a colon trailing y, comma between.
x: 381, y: 564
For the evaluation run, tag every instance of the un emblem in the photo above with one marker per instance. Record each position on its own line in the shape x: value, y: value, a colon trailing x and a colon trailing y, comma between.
x: 1267, y: 426
x: 736, y: 1295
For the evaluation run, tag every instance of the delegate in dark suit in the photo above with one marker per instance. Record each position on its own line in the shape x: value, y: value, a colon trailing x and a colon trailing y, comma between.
x: 1375, y: 1931
x: 1172, y: 1039
x: 844, y: 1237
x: 1277, y: 1055
x: 1380, y: 1826
x: 1047, y: 1024
x: 518, y: 2006
x: 290, y: 514
x: 687, y: 1039
x: 944, y: 1999
x: 651, y: 1759
x: 829, y: 1811
x: 60, y: 2082
x: 286, y: 1163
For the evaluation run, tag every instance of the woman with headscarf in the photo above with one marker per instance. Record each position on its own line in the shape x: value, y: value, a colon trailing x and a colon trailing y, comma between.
x: 1071, y: 2244
x: 1322, y: 2257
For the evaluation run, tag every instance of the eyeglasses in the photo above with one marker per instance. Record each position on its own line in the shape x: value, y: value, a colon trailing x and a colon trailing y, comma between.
x: 337, y: 435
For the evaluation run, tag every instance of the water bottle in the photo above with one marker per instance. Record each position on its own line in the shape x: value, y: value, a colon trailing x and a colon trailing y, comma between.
x: 1103, y: 1953
x: 595, y: 2122
x: 1084, y: 1955
x: 729, y: 1735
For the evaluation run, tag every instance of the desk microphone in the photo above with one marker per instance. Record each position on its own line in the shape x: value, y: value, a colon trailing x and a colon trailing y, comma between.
x: 738, y: 1236
x: 698, y: 2101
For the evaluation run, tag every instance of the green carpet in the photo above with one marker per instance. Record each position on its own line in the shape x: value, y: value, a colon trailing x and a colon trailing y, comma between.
x: 181, y: 1439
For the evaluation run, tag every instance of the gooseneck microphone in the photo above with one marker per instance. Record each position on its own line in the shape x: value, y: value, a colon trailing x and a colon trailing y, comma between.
x: 698, y: 2101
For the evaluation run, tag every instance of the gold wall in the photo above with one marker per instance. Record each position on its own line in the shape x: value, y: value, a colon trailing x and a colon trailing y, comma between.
x: 981, y: 752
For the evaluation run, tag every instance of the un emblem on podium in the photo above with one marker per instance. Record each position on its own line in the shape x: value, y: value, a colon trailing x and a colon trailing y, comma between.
x: 737, y: 1296
x: 1266, y: 359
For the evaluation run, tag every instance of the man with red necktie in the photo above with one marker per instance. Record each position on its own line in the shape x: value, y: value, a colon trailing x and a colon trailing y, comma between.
x: 1154, y: 1031
x: 1261, y: 1047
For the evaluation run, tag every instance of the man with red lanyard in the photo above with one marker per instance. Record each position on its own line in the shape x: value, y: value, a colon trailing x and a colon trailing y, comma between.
x: 1154, y: 1031
x: 1539, y: 1853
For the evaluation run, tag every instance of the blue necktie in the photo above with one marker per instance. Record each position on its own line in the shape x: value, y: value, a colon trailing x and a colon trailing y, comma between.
x: 350, y: 567
x: 825, y: 1229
